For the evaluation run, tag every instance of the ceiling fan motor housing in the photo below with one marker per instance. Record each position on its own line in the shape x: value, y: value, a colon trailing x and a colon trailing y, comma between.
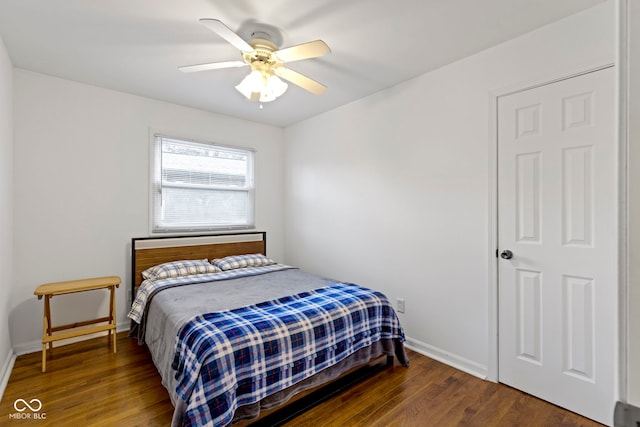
x: 262, y: 51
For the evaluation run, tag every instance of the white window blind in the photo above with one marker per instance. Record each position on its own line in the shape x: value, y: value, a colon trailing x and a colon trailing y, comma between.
x: 199, y: 187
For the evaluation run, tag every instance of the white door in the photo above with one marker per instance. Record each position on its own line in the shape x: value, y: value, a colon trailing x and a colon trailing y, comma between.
x: 557, y: 215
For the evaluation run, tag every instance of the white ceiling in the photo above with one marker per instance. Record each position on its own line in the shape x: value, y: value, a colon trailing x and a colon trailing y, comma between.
x: 135, y: 46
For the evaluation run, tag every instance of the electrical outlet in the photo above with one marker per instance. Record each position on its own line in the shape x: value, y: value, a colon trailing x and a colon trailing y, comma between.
x: 400, y: 305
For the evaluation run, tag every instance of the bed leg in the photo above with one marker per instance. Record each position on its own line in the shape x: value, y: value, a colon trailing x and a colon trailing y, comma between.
x: 389, y: 360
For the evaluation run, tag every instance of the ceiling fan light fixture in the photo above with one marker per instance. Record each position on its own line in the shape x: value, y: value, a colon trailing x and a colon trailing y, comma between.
x: 276, y: 86
x: 267, y: 61
x: 253, y: 82
x: 261, y: 84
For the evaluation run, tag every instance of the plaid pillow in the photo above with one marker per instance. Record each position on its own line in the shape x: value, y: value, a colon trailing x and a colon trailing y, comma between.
x: 179, y: 269
x: 241, y: 261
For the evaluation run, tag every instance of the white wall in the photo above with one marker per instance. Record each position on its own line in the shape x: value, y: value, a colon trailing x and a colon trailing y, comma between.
x: 634, y: 207
x: 81, y: 188
x: 391, y: 191
x: 6, y: 209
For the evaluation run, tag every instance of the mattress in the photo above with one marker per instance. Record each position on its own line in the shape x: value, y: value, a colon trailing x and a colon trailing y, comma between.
x: 170, y: 309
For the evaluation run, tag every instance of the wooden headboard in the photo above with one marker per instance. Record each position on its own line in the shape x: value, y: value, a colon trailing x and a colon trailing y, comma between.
x: 149, y: 251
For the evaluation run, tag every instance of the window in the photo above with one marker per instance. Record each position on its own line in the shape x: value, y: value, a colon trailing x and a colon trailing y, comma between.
x: 200, y: 187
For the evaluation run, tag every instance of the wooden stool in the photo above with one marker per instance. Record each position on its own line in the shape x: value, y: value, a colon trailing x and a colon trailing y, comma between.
x: 60, y: 288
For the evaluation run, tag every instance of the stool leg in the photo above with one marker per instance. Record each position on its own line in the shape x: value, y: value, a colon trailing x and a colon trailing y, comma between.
x: 46, y: 330
x: 47, y: 310
x: 109, y: 338
x: 112, y: 315
x: 44, y: 357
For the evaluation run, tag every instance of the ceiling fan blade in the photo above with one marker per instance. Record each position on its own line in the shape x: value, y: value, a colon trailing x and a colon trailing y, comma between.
x: 300, y: 80
x: 212, y: 66
x: 308, y: 50
x: 225, y: 32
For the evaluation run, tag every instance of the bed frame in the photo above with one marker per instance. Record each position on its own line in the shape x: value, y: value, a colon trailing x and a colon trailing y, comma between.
x: 150, y: 251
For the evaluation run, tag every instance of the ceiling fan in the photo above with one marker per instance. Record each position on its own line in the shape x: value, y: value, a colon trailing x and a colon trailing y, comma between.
x: 266, y: 62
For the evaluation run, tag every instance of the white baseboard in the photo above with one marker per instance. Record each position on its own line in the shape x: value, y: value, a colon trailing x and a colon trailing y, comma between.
x: 36, y: 346
x: 123, y: 326
x: 27, y: 347
x: 5, y: 371
x: 458, y: 362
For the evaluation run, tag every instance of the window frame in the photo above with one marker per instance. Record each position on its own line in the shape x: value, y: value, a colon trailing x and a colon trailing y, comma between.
x: 155, y: 187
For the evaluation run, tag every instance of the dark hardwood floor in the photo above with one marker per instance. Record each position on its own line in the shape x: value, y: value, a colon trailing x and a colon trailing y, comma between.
x: 87, y: 385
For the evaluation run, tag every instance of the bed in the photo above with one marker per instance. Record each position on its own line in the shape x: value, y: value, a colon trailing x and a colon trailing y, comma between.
x: 237, y: 336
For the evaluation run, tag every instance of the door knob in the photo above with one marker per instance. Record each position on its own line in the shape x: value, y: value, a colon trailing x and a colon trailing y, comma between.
x: 506, y: 254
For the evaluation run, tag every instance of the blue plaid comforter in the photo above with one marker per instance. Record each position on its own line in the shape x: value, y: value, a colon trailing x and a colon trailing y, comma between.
x: 231, y: 358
